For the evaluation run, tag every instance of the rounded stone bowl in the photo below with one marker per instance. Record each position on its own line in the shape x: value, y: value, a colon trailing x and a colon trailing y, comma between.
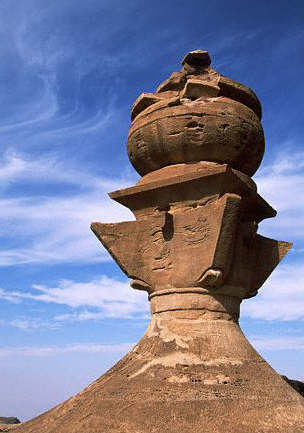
x: 177, y: 131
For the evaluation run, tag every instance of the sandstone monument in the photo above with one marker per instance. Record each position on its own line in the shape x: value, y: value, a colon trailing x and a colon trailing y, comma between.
x: 195, y: 250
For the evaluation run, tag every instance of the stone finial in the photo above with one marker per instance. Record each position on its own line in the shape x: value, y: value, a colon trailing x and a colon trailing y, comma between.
x: 196, y: 115
x: 197, y: 58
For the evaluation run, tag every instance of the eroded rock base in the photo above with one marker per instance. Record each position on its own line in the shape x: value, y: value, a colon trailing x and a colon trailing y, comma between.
x: 193, y: 371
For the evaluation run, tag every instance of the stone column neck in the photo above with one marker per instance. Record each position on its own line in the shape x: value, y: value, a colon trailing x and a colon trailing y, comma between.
x: 194, y: 303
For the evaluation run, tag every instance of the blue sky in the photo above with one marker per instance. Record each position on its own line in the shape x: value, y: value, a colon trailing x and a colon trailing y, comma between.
x: 69, y: 73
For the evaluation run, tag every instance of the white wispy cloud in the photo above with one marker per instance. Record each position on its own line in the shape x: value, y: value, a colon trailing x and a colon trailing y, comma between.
x: 8, y: 297
x: 32, y: 113
x: 16, y: 167
x: 106, y: 297
x: 55, y: 228
x: 278, y: 343
x: 48, y: 63
x: 282, y: 184
x: 31, y: 323
x: 52, y: 227
x: 281, y: 297
x: 33, y: 351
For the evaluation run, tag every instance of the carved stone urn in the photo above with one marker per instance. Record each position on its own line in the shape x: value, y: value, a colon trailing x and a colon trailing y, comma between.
x: 194, y: 248
x: 196, y: 115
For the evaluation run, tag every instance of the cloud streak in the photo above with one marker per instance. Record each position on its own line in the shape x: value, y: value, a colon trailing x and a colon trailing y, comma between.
x: 101, y: 298
x: 24, y: 323
x: 281, y: 298
x: 278, y: 343
x: 55, y: 227
x: 282, y: 184
x: 46, y: 351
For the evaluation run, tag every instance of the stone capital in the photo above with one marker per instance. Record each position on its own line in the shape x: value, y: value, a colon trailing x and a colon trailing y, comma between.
x: 197, y: 236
